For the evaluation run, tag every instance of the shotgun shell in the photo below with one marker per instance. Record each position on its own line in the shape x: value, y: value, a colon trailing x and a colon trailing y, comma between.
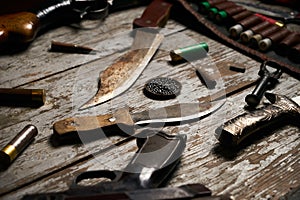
x: 238, y: 17
x: 249, y: 22
x: 246, y: 35
x: 204, y: 6
x: 228, y: 12
x: 216, y: 8
x: 294, y: 54
x: 245, y: 23
x: 283, y: 47
x: 22, y: 97
x: 17, y: 145
x: 257, y: 40
x: 266, y: 43
x: 189, y: 53
x: 268, y: 19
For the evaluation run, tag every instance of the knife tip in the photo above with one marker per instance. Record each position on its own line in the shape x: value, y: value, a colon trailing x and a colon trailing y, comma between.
x: 83, y: 107
x: 93, y: 102
x: 87, y: 105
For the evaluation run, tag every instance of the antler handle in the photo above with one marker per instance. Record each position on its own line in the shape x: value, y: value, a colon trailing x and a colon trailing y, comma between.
x: 234, y: 131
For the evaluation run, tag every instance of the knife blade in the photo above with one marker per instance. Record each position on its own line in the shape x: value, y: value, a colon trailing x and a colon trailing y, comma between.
x: 157, y: 157
x: 125, y: 121
x: 118, y: 77
x: 286, y: 15
x: 296, y: 100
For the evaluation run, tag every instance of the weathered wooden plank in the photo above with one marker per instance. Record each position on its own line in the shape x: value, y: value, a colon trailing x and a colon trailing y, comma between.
x: 248, y: 178
x: 70, y: 82
x: 263, y: 170
x: 68, y: 91
x: 61, y: 151
x: 36, y: 62
x: 268, y: 168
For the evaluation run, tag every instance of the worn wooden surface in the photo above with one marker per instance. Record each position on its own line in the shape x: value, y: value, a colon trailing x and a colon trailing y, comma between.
x: 267, y: 168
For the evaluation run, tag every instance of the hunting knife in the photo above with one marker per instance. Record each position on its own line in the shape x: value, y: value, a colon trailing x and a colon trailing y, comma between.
x: 122, y: 74
x: 126, y: 121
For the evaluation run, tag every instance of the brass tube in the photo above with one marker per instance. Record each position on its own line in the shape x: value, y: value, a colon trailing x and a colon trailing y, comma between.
x: 9, y: 153
x: 22, y: 97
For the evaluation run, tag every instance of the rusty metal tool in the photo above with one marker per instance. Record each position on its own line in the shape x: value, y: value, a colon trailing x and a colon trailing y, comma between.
x: 118, y: 77
x: 134, y: 62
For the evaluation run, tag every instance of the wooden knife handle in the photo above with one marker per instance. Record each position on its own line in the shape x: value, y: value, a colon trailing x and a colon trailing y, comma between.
x: 19, y: 27
x: 155, y: 15
x: 119, y: 121
x: 14, y: 6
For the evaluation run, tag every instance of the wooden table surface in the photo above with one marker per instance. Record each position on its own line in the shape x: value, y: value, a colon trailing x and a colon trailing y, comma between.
x: 266, y: 168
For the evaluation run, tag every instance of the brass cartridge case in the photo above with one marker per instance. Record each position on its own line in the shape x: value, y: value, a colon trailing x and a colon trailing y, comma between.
x: 9, y: 153
x: 22, y: 97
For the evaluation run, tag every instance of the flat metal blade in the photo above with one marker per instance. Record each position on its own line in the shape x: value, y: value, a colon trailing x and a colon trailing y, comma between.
x: 265, y: 9
x: 296, y: 100
x: 121, y: 75
x: 181, y: 112
x: 123, y: 118
x: 177, y: 113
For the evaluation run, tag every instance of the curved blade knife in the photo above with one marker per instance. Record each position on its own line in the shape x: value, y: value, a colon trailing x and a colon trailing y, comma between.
x: 126, y: 122
x: 118, y: 77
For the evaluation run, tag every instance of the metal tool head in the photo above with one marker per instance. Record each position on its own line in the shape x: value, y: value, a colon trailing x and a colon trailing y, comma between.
x: 156, y: 158
x: 265, y: 71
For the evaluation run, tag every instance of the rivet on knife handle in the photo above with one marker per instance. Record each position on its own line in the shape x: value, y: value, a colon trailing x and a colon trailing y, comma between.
x: 121, y: 119
x: 234, y: 131
x: 155, y: 15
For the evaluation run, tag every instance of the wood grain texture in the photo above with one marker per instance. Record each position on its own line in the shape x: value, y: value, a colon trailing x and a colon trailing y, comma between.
x: 266, y: 168
x: 90, y: 123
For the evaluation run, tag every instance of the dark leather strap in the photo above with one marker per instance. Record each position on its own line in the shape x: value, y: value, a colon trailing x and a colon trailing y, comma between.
x: 184, y: 13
